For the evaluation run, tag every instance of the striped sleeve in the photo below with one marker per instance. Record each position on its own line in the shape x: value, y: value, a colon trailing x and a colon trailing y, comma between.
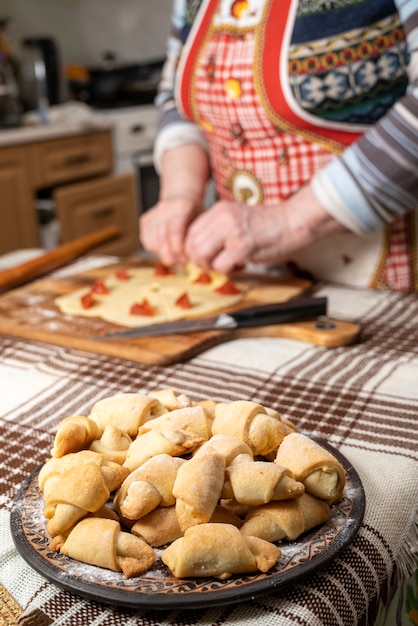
x: 173, y: 129
x: 376, y: 179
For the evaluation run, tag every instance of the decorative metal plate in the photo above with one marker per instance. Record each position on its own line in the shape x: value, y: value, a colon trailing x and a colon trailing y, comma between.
x: 157, y: 588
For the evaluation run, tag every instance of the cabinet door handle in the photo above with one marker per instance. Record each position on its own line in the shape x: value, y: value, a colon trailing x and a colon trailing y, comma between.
x: 77, y: 159
x: 137, y: 128
x: 103, y: 213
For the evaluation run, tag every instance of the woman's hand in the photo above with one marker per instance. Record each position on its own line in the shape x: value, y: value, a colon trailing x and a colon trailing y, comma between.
x: 231, y: 235
x: 183, y: 179
x: 163, y: 228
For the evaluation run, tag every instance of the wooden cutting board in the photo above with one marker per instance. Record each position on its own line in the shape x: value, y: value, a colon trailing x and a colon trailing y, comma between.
x: 30, y: 312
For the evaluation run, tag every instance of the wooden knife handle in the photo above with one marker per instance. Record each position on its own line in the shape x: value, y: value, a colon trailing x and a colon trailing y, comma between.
x: 327, y: 332
x: 55, y: 258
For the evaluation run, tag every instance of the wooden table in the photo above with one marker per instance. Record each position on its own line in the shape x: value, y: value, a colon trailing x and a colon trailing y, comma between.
x: 362, y: 399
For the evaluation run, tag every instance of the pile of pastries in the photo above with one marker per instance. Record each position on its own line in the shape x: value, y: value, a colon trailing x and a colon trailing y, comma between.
x: 211, y: 487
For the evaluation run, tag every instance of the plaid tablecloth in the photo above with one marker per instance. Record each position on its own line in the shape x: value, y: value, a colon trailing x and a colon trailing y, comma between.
x: 363, y: 399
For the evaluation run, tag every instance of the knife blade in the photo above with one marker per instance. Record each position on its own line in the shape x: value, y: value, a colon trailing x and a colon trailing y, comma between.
x: 296, y: 309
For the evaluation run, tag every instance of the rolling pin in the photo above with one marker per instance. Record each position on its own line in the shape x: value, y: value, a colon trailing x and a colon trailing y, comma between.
x: 55, y: 258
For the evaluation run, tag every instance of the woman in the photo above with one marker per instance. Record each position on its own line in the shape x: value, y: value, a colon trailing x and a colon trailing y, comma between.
x: 305, y: 114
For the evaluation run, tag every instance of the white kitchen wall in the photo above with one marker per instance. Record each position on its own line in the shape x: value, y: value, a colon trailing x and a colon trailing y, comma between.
x: 84, y: 29
x: 131, y: 28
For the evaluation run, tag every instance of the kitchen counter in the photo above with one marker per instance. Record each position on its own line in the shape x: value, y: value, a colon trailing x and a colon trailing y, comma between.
x: 28, y: 134
x: 65, y: 120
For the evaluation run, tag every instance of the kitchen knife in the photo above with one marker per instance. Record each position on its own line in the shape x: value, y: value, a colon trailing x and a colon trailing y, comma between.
x: 296, y: 309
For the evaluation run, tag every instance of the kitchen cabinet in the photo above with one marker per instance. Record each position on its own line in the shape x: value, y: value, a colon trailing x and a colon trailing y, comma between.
x: 76, y: 172
x: 18, y: 223
x: 66, y: 160
x: 94, y: 204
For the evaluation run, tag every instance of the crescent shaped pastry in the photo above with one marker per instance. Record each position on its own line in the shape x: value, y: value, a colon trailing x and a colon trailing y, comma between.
x: 60, y: 465
x: 112, y: 473
x: 197, y: 489
x: 287, y: 519
x: 218, y: 550
x: 171, y: 399
x: 250, y: 422
x: 159, y: 527
x: 233, y: 449
x: 65, y: 505
x: 85, y: 488
x: 66, y: 517
x: 259, y: 482
x: 127, y: 411
x: 74, y: 433
x: 152, y: 443
x: 147, y: 487
x: 112, y: 445
x: 101, y: 542
x: 74, y: 486
x: 192, y: 419
x: 320, y: 472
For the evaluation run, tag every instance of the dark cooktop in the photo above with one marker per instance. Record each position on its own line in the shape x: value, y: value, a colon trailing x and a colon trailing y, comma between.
x: 117, y: 86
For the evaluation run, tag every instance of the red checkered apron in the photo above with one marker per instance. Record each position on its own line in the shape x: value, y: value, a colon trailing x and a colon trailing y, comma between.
x: 259, y: 154
x: 253, y: 160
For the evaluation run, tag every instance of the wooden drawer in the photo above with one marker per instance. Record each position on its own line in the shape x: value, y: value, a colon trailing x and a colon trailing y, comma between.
x: 85, y: 207
x: 73, y: 158
x: 18, y: 222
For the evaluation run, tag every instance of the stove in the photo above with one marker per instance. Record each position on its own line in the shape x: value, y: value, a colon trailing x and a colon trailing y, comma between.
x: 134, y: 130
x: 122, y: 93
x: 114, y: 85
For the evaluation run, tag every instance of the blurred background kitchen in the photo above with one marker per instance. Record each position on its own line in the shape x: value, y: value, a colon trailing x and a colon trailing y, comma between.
x: 77, y: 120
